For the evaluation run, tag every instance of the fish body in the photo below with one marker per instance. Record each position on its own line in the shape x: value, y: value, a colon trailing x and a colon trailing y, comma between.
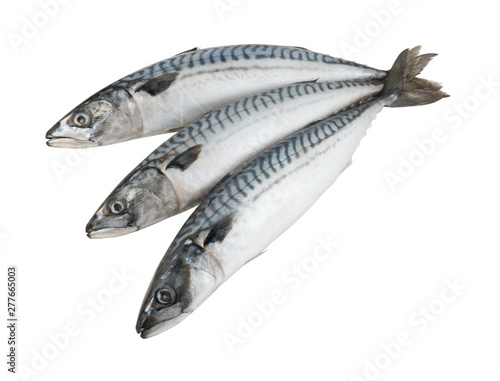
x: 247, y: 211
x: 255, y: 204
x: 181, y: 171
x: 170, y: 94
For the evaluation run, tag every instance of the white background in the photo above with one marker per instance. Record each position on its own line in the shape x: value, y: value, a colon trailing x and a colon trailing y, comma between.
x: 399, y: 244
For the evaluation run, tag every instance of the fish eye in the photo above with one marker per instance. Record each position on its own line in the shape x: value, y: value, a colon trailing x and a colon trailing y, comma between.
x: 82, y: 119
x: 117, y: 207
x: 166, y: 295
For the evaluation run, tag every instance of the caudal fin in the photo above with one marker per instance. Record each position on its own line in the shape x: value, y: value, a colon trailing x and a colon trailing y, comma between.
x: 402, y: 88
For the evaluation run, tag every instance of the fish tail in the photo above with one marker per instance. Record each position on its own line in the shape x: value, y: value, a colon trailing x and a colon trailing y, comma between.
x: 402, y: 88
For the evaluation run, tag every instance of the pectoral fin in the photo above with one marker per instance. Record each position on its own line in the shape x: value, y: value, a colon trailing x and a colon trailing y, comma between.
x: 347, y: 165
x: 159, y: 84
x: 185, y: 159
x: 219, y: 231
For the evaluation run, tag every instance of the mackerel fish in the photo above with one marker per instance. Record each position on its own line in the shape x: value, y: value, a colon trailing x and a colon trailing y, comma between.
x: 170, y: 94
x: 255, y: 204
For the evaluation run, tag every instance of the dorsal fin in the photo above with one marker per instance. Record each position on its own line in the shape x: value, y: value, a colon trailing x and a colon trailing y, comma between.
x: 159, y: 84
x: 188, y: 51
x: 176, y: 129
x: 226, y: 176
x: 219, y: 231
x: 185, y: 159
x: 303, y: 82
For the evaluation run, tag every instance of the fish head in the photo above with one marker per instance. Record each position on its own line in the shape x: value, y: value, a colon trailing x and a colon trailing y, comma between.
x: 144, y: 197
x: 108, y: 117
x: 185, y: 279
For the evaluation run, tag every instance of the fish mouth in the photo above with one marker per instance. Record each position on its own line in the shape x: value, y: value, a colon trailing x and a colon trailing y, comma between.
x: 62, y: 142
x: 156, y: 329
x: 111, y: 232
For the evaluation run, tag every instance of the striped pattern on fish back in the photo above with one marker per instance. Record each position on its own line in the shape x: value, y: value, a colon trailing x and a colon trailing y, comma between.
x: 202, y: 129
x: 232, y: 191
x: 206, y: 57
